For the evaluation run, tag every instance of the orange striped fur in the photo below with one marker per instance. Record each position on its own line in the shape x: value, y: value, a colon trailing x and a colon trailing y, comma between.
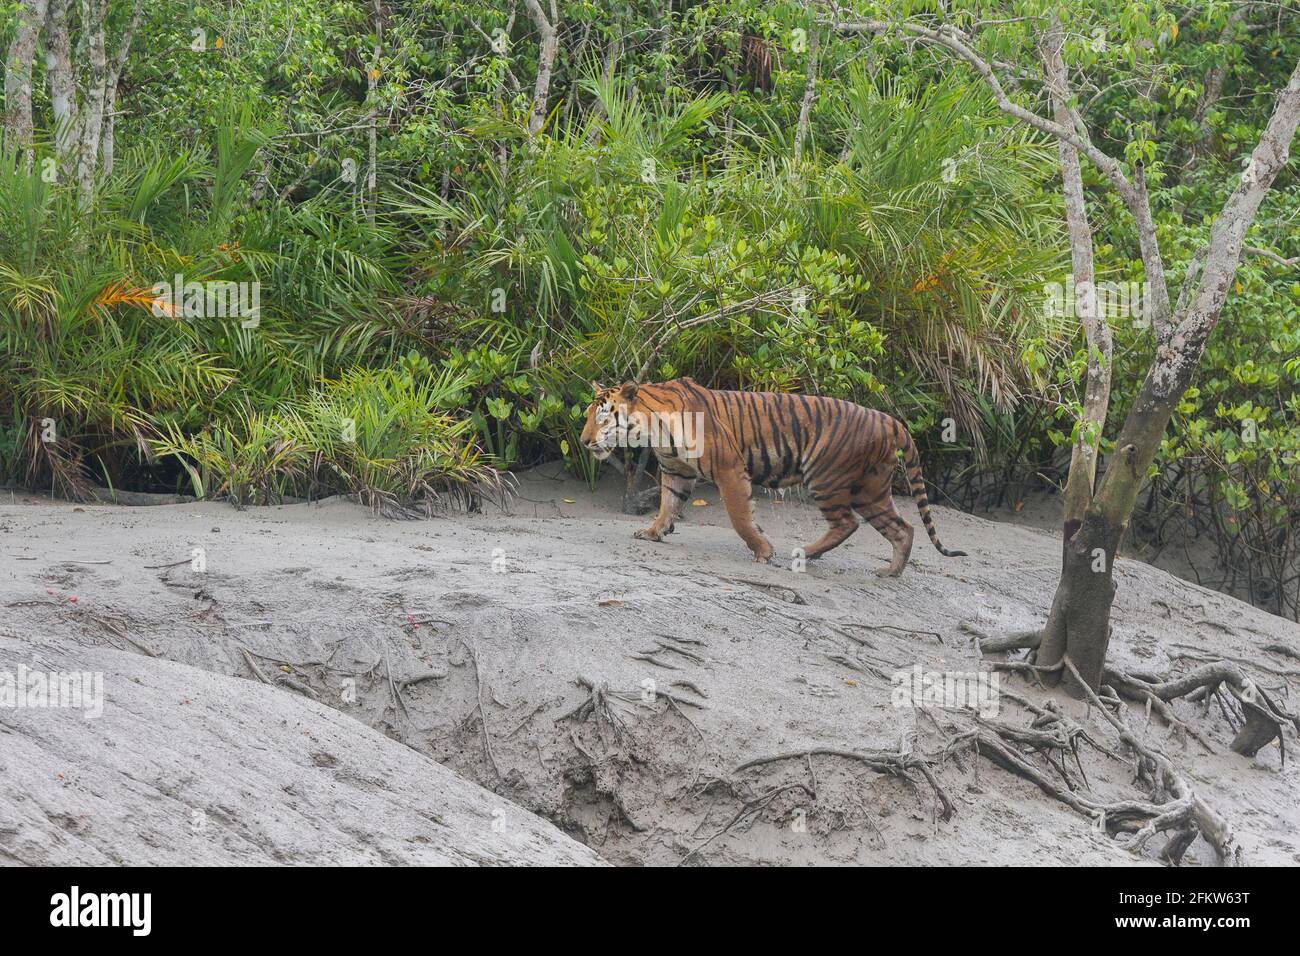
x: 844, y: 454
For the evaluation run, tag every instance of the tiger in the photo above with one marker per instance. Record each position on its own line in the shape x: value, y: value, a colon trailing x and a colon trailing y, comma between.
x: 842, y: 453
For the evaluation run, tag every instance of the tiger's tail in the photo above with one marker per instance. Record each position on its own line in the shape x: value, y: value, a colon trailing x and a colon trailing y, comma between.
x: 915, y: 481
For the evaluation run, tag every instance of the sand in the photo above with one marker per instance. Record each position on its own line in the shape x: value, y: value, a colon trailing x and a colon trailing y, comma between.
x: 469, y: 642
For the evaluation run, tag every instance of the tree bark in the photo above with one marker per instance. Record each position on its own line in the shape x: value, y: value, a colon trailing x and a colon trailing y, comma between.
x: 548, y: 46
x: 18, y: 78
x: 1096, y: 327
x: 372, y: 116
x: 636, y: 465
x: 62, y: 82
x: 109, y: 139
x: 1213, y: 90
x: 93, y: 15
x: 1079, y: 622
x: 809, y: 95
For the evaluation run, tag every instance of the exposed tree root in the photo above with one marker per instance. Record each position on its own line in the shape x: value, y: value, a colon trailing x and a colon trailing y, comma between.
x: 900, y: 765
x: 1262, y: 717
x: 599, y: 705
x: 480, y: 707
x: 1172, y: 806
x: 1283, y: 650
x: 749, y: 808
x: 1002, y: 643
x: 602, y: 702
x: 1136, y: 689
x: 894, y: 764
x: 1183, y: 813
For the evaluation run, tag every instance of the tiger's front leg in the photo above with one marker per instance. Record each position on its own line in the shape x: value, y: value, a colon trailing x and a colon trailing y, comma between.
x: 736, y: 488
x: 674, y: 491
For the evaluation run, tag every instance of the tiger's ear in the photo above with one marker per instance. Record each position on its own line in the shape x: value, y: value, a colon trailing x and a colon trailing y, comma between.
x: 596, y: 388
x: 628, y: 391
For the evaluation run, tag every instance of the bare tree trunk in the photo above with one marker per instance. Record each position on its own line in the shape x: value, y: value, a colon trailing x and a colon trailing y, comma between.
x: 1083, y: 458
x: 1214, y: 80
x: 1078, y: 625
x: 548, y: 46
x: 109, y: 139
x: 612, y: 53
x: 108, y: 150
x: 93, y: 14
x: 503, y: 150
x: 63, y: 83
x: 809, y: 94
x: 1079, y: 622
x: 635, y: 468
x: 18, y: 78
x: 372, y: 116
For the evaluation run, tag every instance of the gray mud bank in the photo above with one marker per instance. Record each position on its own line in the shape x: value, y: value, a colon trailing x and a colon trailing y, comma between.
x: 310, y: 684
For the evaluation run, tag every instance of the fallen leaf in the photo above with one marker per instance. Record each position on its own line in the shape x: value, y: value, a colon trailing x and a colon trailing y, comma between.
x: 699, y: 502
x: 610, y: 603
x: 568, y: 501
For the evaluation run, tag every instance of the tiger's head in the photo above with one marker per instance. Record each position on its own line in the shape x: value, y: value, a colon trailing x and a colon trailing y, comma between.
x: 608, y: 419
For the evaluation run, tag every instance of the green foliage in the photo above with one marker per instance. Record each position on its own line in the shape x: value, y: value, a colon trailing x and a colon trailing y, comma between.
x: 607, y: 239
x: 250, y: 457
x: 660, y: 221
x: 391, y: 439
x: 91, y: 347
x: 382, y: 435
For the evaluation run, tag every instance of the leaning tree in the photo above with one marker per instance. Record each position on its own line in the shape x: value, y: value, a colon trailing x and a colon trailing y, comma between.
x: 1022, y: 52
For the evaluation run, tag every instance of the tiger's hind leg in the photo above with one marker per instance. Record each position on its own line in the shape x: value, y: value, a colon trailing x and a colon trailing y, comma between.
x: 839, y: 515
x: 882, y: 516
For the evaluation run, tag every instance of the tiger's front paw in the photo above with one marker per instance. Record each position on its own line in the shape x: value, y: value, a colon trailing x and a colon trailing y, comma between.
x: 648, y: 534
x: 763, y: 557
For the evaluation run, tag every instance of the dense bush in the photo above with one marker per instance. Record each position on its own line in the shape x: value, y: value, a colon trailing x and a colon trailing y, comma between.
x: 110, y: 382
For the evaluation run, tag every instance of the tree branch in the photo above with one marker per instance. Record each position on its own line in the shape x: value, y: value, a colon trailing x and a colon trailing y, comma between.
x: 548, y: 46
x: 1132, y: 192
